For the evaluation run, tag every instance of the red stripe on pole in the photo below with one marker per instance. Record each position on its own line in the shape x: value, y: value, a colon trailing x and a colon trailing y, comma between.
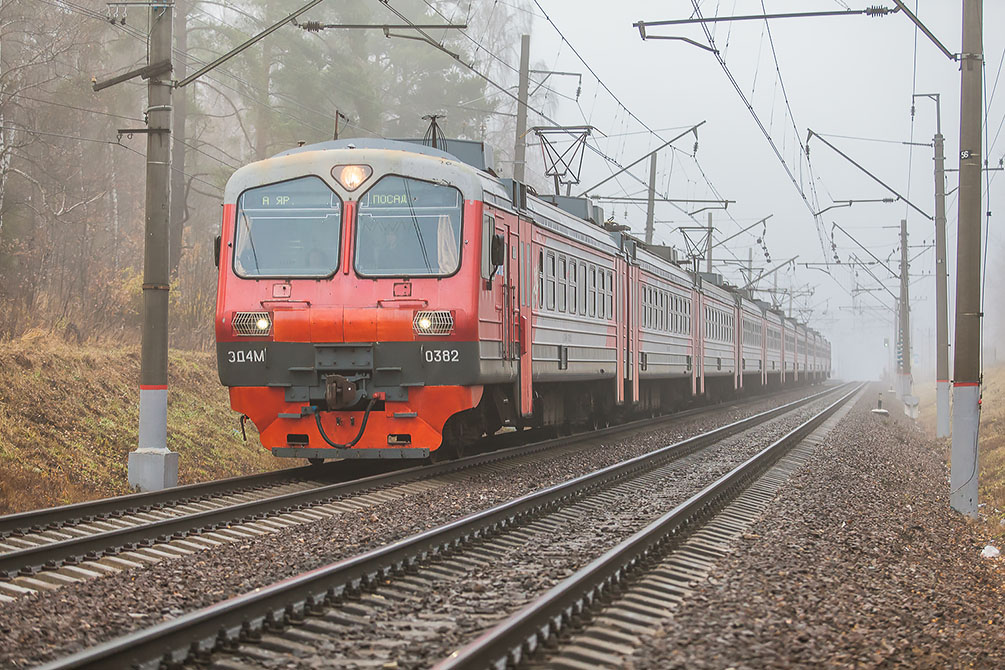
x: 967, y: 384
x: 941, y: 381
x: 153, y: 387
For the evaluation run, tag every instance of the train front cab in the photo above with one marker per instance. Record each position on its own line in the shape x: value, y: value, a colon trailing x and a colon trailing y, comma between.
x: 347, y: 308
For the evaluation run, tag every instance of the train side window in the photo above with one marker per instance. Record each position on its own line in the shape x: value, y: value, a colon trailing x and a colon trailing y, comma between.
x: 488, y: 229
x: 582, y: 288
x: 652, y: 307
x: 563, y: 283
x: 610, y: 294
x: 602, y: 294
x: 573, y: 285
x: 540, y: 279
x: 549, y: 282
x: 645, y: 307
x: 593, y: 290
x: 659, y: 309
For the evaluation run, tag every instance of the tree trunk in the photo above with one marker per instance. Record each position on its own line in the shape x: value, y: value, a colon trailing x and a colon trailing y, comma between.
x: 263, y: 112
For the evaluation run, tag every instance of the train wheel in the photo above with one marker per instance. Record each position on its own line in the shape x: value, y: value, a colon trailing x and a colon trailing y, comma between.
x: 315, y: 461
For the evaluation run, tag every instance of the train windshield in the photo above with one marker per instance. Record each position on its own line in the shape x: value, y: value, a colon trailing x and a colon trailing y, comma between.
x: 408, y: 228
x: 290, y: 229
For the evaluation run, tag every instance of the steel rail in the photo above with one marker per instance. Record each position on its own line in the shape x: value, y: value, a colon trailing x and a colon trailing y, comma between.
x: 90, y: 547
x: 511, y: 641
x: 203, y: 630
x: 56, y: 517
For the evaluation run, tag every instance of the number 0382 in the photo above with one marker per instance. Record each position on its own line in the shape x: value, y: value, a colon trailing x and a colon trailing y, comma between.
x: 442, y: 355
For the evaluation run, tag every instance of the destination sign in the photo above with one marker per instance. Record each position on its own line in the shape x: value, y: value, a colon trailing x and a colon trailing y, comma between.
x: 400, y: 193
x: 302, y: 193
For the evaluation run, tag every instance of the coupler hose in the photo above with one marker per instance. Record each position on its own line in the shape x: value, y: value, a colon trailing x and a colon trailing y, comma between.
x: 362, y: 427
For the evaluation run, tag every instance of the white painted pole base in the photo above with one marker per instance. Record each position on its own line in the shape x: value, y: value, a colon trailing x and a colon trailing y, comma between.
x: 963, y: 472
x: 153, y: 470
x: 153, y: 466
x: 942, y: 426
x: 904, y: 386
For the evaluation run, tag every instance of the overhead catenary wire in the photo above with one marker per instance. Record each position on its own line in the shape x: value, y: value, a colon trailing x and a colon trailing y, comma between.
x: 96, y: 140
x: 588, y: 117
x: 810, y: 206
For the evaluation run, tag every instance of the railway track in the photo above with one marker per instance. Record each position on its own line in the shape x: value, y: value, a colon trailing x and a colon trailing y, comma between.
x: 597, y: 617
x: 46, y: 549
x: 333, y: 604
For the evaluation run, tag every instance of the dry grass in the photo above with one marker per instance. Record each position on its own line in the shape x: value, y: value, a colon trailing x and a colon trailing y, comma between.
x: 69, y: 416
x: 992, y: 437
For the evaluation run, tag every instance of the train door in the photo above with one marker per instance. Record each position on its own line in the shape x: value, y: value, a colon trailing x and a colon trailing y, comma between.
x: 523, y: 314
x: 622, y: 327
x: 634, y: 318
x: 510, y: 307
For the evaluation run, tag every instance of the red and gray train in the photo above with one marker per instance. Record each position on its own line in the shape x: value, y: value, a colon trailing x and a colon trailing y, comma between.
x: 385, y: 299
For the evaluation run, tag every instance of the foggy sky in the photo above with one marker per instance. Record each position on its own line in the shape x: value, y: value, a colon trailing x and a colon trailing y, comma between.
x: 849, y: 76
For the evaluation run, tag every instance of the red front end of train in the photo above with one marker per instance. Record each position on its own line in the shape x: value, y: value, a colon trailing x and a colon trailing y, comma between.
x: 347, y: 307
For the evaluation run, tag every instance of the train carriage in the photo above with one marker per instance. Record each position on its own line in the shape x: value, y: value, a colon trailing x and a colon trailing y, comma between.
x: 718, y: 337
x: 774, y: 329
x: 751, y: 315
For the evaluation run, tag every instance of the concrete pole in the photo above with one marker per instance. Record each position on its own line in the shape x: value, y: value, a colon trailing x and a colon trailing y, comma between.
x: 152, y: 466
x: 905, y: 324
x: 708, y: 246
x: 520, y: 149
x: 898, y: 355
x: 966, y: 353
x: 651, y: 211
x: 942, y: 392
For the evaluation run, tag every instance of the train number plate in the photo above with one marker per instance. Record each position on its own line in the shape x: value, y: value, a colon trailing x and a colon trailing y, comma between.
x: 246, y: 356
x: 442, y: 355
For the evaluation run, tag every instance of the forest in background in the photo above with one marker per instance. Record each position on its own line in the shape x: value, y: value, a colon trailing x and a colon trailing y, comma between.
x: 72, y: 186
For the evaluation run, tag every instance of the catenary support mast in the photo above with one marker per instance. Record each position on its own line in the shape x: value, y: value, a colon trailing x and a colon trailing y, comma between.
x: 520, y: 150
x: 152, y: 466
x: 651, y: 209
x: 942, y: 391
x: 966, y: 353
x: 905, y: 382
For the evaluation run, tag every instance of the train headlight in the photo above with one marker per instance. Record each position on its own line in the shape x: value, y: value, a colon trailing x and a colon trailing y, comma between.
x: 252, y: 324
x: 440, y: 322
x: 351, y: 176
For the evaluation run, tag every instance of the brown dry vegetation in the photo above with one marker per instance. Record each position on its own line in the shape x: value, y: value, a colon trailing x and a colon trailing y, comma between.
x: 992, y: 437
x: 69, y: 416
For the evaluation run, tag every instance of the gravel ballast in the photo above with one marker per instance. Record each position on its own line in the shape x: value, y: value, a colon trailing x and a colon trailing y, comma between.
x: 468, y: 599
x: 47, y: 625
x: 859, y: 562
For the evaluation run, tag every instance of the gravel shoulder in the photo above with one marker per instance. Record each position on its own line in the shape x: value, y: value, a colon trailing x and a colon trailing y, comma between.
x: 41, y: 627
x: 858, y: 563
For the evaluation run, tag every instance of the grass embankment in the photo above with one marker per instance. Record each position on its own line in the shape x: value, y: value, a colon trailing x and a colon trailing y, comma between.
x: 992, y: 437
x: 69, y: 416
